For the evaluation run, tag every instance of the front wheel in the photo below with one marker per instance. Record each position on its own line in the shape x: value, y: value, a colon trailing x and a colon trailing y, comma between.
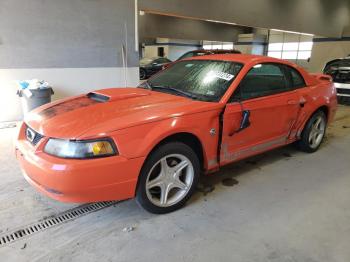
x: 168, y: 178
x: 313, y: 133
x: 143, y: 74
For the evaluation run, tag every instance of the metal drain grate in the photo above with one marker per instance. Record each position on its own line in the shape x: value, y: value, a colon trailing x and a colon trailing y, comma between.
x: 52, y: 221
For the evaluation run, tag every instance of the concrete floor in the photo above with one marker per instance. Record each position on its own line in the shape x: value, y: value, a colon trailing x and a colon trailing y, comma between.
x: 287, y: 206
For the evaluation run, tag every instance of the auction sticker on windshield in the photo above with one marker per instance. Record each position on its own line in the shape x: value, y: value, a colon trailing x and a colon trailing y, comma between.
x: 223, y: 75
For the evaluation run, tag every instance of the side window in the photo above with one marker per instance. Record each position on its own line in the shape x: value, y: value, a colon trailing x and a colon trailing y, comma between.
x: 261, y: 80
x: 296, y: 78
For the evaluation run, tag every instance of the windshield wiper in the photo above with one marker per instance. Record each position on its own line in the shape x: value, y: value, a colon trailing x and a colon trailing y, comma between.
x: 180, y: 92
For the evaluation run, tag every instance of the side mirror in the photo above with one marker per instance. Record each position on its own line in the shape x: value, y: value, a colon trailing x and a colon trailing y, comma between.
x: 154, y: 63
x: 245, y: 120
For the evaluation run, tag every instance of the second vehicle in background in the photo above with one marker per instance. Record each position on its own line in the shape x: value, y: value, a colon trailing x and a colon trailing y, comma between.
x: 201, y: 52
x: 150, y: 66
x: 339, y: 70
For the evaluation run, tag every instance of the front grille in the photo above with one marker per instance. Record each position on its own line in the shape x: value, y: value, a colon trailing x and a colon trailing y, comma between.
x: 343, y: 91
x: 341, y: 76
x: 32, y: 136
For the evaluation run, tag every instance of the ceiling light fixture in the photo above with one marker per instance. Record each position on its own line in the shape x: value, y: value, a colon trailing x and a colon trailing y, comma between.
x: 220, y: 22
x: 291, y: 32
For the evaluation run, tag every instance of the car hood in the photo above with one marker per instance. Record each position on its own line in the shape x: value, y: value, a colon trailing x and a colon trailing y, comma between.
x: 108, y: 110
x: 144, y: 64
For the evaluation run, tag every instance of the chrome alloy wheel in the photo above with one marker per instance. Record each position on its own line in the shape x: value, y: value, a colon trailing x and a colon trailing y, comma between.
x: 317, y: 132
x: 169, y: 180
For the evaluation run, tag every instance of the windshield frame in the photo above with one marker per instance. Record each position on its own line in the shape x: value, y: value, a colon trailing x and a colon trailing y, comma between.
x: 147, y: 84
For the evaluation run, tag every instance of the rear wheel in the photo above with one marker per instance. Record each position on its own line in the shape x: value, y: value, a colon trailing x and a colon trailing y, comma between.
x: 313, y: 133
x: 168, y: 178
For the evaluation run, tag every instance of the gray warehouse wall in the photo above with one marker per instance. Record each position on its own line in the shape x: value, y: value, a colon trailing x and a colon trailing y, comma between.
x: 74, y: 45
x: 79, y: 33
x: 321, y: 17
x: 152, y: 26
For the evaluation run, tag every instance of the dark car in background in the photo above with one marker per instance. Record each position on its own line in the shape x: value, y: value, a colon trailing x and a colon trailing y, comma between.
x: 201, y: 52
x: 339, y: 70
x: 150, y: 66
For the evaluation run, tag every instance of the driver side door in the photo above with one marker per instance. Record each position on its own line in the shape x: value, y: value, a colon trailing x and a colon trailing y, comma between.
x: 272, y: 106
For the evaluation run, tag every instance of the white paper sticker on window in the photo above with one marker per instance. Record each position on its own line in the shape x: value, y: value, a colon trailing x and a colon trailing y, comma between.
x: 223, y: 75
x: 211, y: 75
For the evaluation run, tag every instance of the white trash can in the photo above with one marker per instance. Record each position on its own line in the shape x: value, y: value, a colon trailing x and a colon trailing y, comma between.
x: 33, y: 98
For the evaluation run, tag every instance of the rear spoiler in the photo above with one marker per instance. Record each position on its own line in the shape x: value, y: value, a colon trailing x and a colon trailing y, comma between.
x: 322, y: 77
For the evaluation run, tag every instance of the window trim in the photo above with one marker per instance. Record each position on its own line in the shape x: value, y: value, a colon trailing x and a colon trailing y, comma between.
x: 238, y: 89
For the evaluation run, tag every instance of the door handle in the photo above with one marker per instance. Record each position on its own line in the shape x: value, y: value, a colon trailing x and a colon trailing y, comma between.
x: 292, y: 102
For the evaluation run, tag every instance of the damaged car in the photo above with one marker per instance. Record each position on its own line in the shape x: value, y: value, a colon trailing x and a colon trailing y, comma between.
x: 153, y: 142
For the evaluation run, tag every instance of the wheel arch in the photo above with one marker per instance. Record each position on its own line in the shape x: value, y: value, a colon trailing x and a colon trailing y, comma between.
x: 324, y: 109
x: 188, y: 139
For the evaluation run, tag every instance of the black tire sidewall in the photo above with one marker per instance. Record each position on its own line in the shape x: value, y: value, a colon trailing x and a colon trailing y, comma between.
x: 304, y: 144
x: 143, y: 71
x: 158, y: 153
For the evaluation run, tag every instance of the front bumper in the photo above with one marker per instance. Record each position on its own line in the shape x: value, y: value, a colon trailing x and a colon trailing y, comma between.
x: 78, y: 181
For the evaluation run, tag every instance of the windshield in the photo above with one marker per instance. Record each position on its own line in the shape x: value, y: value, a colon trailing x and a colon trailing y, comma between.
x: 205, y: 80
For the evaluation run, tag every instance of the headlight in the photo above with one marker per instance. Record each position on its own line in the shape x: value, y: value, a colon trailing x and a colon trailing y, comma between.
x: 80, y: 149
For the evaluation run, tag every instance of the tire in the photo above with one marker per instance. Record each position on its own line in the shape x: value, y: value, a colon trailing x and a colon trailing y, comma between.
x: 168, y: 178
x: 143, y: 74
x: 313, y: 133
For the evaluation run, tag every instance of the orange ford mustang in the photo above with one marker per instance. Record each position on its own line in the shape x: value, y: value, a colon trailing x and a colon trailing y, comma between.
x: 154, y: 141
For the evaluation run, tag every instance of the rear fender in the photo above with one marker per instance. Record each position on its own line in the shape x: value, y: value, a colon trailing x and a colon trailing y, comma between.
x: 322, y: 77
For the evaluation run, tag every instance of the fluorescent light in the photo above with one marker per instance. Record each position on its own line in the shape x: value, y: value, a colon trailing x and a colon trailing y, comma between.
x: 291, y: 32
x: 220, y: 22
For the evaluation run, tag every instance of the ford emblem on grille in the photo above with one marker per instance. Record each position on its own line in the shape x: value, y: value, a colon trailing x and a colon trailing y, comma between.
x: 30, y: 134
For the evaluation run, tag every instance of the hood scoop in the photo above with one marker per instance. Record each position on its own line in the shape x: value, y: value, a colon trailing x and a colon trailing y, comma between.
x: 114, y: 94
x: 98, y: 97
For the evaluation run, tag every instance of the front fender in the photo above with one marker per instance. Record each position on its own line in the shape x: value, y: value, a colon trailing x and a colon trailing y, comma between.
x: 140, y: 140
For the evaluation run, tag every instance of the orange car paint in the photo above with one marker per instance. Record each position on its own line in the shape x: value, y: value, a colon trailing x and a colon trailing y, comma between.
x: 138, y: 119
